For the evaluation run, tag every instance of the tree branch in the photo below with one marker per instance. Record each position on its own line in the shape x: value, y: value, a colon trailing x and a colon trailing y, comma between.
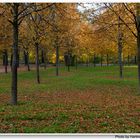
x: 121, y: 19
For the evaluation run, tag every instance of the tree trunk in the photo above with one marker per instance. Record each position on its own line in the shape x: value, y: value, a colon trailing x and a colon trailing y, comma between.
x: 135, y: 59
x: 94, y: 60
x: 11, y: 61
x: 138, y: 57
x: 120, y: 49
x: 76, y: 64
x: 18, y: 60
x: 138, y: 39
x: 120, y: 60
x: 28, y: 63
x: 5, y: 60
x: 45, y: 60
x: 57, y: 60
x: 107, y: 59
x: 87, y: 61
x: 114, y: 61
x: 69, y: 62
x: 26, y: 60
x: 37, y: 63
x: 15, y: 54
x: 68, y: 68
x: 101, y: 61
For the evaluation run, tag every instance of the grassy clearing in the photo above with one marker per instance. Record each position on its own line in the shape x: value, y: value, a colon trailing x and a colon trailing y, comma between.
x: 89, y: 99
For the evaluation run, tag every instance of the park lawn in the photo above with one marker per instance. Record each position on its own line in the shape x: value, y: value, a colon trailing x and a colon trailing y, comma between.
x: 86, y: 100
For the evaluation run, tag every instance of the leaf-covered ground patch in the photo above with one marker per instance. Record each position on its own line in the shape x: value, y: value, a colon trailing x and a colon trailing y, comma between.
x: 86, y: 100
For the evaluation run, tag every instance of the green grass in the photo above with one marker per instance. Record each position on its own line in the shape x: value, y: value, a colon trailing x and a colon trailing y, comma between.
x: 89, y: 99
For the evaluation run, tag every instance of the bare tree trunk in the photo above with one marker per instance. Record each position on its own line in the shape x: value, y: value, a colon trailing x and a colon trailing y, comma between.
x: 57, y: 60
x: 114, y: 63
x: 138, y: 56
x: 18, y: 59
x: 76, y: 64
x: 28, y: 63
x: 11, y: 61
x: 68, y: 68
x: 26, y: 60
x: 15, y: 54
x: 42, y: 56
x: 25, y: 57
x: 107, y: 59
x: 87, y: 61
x: 138, y: 38
x: 5, y: 60
x: 37, y: 63
x: 120, y: 49
x: 101, y: 61
x: 69, y: 62
x: 135, y: 59
x: 120, y: 60
x: 94, y: 60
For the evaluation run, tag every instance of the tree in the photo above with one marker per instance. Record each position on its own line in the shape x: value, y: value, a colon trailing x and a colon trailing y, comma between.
x: 17, y: 13
x: 132, y: 11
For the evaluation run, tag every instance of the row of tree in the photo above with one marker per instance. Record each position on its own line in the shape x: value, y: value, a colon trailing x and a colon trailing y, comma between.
x: 55, y: 30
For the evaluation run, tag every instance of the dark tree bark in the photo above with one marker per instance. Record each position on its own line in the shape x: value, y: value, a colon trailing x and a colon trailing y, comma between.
x: 135, y: 60
x: 76, y: 63
x: 114, y: 61
x: 120, y: 49
x: 26, y: 60
x: 138, y: 38
x: 57, y: 56
x: 120, y: 59
x: 101, y: 60
x: 138, y: 57
x: 138, y: 54
x: 37, y: 63
x: 68, y: 68
x: 28, y: 63
x: 5, y: 60
x: 107, y: 59
x: 11, y: 61
x: 94, y: 60
x: 72, y: 60
x: 57, y: 60
x: 87, y: 63
x: 69, y: 62
x: 15, y: 54
x: 18, y: 60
